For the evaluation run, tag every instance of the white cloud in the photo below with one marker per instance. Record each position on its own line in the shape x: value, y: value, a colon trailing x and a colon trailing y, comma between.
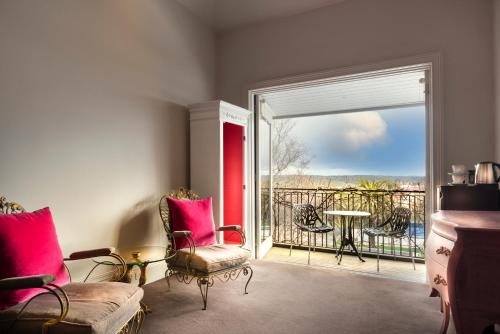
x: 359, y: 131
x: 342, y: 133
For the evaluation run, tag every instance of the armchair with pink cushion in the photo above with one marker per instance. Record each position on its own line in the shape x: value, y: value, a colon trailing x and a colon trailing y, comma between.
x: 36, y: 292
x: 193, y: 251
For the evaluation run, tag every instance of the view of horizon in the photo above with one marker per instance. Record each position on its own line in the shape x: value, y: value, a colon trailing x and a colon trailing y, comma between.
x: 373, y: 143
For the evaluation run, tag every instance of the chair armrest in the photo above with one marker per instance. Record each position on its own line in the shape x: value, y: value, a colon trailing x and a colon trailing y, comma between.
x: 188, y: 235
x: 43, y: 282
x: 25, y: 282
x: 180, y: 234
x: 88, y: 254
x: 120, y: 268
x: 236, y: 229
x: 229, y: 228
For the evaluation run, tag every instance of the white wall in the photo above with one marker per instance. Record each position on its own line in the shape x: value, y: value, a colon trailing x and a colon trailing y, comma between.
x: 358, y: 32
x: 93, y: 120
x: 496, y: 46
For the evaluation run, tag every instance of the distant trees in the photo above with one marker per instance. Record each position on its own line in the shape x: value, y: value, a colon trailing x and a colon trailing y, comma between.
x: 366, y: 184
x: 287, y: 150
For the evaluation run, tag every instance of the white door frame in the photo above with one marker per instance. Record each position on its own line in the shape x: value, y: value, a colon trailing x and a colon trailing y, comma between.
x: 432, y: 63
x: 263, y: 246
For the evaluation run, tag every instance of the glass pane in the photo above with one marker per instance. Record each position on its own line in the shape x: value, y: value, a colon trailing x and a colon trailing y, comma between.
x: 265, y: 178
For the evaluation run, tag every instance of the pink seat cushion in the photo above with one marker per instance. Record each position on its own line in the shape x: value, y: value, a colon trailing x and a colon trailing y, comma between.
x: 195, y: 216
x: 29, y: 246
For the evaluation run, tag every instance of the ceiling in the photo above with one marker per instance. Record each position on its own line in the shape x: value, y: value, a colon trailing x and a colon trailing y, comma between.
x: 386, y: 91
x: 228, y: 14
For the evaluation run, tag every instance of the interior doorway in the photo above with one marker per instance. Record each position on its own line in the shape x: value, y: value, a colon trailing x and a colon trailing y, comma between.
x: 367, y: 96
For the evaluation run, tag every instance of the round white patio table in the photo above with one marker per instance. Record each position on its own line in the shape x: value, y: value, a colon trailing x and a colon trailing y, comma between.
x: 347, y: 221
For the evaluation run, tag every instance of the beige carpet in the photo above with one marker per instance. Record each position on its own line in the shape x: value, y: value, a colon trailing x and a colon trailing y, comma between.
x: 289, y: 299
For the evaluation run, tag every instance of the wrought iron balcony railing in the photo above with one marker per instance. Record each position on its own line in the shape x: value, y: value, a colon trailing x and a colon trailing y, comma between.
x: 379, y: 203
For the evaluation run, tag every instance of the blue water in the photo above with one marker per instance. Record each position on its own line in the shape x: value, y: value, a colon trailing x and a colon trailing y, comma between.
x: 417, y: 229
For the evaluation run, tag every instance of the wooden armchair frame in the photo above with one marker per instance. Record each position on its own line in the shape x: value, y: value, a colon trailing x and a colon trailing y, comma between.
x: 45, y: 281
x: 187, y: 274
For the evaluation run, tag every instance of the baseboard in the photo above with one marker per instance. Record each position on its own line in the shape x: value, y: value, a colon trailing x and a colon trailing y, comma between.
x: 155, y: 272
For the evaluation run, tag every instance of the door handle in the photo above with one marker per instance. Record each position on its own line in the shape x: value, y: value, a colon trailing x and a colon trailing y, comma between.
x: 495, y: 174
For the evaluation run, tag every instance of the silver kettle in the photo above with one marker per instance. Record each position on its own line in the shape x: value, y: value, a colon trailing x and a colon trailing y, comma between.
x: 486, y: 172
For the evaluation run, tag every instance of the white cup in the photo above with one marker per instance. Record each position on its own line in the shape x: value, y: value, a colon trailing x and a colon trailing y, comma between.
x: 458, y: 178
x: 459, y: 169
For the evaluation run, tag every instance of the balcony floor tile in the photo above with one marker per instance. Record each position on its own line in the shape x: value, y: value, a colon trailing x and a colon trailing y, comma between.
x: 388, y: 268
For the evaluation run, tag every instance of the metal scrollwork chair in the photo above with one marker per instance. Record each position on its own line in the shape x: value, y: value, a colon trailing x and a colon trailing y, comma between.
x: 395, y: 227
x: 203, y: 263
x: 306, y: 219
x: 96, y: 307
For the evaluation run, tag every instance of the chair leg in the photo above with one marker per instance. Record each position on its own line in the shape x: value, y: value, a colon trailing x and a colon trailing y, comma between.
x: 168, y: 273
x: 245, y: 272
x: 133, y: 326
x: 334, y: 240
x: 139, y: 320
x: 393, y: 249
x: 411, y: 255
x: 204, y: 284
x: 291, y: 243
x: 414, y: 254
x: 378, y: 253
x: 309, y: 248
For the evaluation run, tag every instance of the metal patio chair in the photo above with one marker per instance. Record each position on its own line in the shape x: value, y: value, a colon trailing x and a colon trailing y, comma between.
x: 395, y: 227
x: 306, y: 219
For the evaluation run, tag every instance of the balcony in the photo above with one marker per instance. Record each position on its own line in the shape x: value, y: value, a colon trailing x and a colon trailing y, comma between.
x: 379, y: 202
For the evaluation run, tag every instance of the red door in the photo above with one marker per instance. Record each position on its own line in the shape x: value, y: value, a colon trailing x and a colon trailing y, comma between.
x: 233, y: 152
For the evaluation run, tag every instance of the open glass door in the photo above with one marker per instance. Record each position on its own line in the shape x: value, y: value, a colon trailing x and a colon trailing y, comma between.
x: 263, y: 169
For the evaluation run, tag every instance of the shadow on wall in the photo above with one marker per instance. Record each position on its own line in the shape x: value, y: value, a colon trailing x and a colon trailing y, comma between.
x: 171, y: 139
x: 141, y: 226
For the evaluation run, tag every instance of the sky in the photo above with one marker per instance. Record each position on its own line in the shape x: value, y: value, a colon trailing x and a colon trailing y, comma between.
x: 387, y: 142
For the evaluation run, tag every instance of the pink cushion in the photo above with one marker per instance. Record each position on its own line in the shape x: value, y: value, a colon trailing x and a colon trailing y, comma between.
x: 195, y: 216
x: 29, y: 246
